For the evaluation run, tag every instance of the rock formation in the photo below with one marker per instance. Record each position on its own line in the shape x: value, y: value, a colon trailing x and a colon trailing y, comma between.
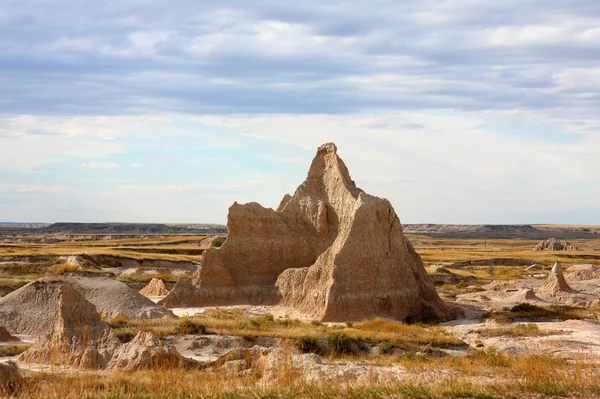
x: 77, y: 338
x: 271, y: 364
x: 146, y: 351
x: 5, y: 336
x: 330, y: 250
x: 553, y: 244
x: 11, y: 381
x: 555, y: 283
x: 156, y: 287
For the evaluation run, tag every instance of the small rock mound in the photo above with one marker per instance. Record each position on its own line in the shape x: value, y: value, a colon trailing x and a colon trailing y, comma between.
x: 181, y: 295
x: 271, y: 364
x: 11, y: 381
x: 5, y: 336
x: 555, y: 283
x: 156, y: 287
x: 584, y: 275
x: 524, y: 295
x: 576, y: 268
x: 78, y: 337
x: 553, y: 244
x: 146, y: 351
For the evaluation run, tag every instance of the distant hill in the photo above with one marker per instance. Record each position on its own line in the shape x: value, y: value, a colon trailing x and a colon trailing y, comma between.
x: 112, y: 228
x: 507, y: 231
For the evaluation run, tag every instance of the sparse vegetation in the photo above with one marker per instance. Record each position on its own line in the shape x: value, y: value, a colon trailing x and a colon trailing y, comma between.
x: 188, y: 326
x: 13, y: 349
x: 519, y: 330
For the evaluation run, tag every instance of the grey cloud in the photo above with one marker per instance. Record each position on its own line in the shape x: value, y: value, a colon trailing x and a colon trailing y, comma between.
x: 62, y: 57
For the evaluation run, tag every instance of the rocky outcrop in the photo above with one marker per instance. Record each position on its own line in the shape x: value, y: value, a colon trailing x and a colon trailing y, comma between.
x: 147, y: 351
x: 330, y: 250
x: 5, y: 336
x: 11, y: 381
x: 524, y: 295
x: 77, y: 338
x: 555, y: 283
x: 272, y: 364
x: 553, y: 244
x: 156, y: 287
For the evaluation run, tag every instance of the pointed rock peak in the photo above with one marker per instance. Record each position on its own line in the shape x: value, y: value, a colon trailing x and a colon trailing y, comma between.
x: 327, y: 167
x: 328, y: 148
x: 557, y: 268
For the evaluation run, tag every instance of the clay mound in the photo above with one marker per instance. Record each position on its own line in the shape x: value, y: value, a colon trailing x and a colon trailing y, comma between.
x: 6, y: 337
x: 156, y: 287
x: 11, y: 381
x: 78, y: 337
x: 147, y: 351
x: 583, y: 275
x: 524, y: 295
x: 29, y: 309
x: 555, y: 283
x: 553, y: 244
x: 576, y: 268
x: 330, y: 251
x: 113, y: 298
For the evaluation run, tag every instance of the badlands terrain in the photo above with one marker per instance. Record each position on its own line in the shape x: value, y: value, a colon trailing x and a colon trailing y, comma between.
x: 326, y: 296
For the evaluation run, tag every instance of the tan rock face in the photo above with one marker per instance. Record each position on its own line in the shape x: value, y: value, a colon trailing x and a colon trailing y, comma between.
x: 552, y: 244
x: 5, y: 336
x: 330, y: 250
x: 156, y: 287
x: 77, y: 338
x: 146, y: 351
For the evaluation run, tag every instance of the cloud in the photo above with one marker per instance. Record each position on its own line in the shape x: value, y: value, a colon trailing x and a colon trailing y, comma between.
x: 137, y: 165
x: 99, y: 165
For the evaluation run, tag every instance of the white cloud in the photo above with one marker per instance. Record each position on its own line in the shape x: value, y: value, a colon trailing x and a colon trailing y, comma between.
x: 100, y: 165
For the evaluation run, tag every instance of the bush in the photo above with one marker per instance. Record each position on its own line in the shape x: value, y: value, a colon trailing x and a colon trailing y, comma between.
x: 307, y: 344
x: 218, y: 242
x: 13, y: 350
x: 385, y: 348
x: 190, y: 327
x: 526, y: 307
x: 339, y: 343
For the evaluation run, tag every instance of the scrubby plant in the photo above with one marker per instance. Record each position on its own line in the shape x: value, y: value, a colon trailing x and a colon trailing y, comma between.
x: 340, y: 343
x: 188, y: 326
x: 307, y: 344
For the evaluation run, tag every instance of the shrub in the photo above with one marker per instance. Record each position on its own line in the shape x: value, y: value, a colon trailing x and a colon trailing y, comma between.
x: 190, y: 327
x: 13, y: 350
x: 218, y: 242
x: 526, y: 307
x: 339, y: 343
x: 385, y: 348
x: 306, y: 344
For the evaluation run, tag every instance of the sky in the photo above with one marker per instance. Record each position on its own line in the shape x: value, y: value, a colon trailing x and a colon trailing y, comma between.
x: 457, y: 111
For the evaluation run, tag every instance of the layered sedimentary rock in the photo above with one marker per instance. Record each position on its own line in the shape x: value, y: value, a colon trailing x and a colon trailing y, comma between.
x: 156, y: 287
x: 330, y: 250
x: 78, y: 337
x: 553, y: 244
